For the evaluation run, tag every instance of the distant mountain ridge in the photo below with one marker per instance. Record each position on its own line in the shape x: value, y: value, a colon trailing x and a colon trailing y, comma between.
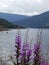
x: 37, y: 21
x: 12, y: 17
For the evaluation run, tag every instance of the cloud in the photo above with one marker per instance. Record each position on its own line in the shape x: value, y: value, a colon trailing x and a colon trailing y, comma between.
x: 25, y: 7
x: 2, y: 5
x: 12, y: 0
x: 26, y: 13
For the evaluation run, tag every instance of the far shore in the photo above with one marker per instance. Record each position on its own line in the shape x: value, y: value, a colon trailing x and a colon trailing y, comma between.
x: 7, y: 29
x: 3, y: 29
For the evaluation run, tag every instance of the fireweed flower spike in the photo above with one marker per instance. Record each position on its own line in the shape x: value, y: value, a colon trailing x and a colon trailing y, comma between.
x: 18, y: 48
x: 37, y: 57
x: 23, y: 55
x: 26, y: 53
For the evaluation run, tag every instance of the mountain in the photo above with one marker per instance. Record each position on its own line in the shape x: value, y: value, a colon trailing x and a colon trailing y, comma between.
x: 12, y: 17
x: 37, y: 21
x: 5, y: 24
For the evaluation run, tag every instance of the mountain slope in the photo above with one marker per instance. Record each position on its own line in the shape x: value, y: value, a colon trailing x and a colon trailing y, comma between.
x: 38, y: 21
x: 5, y: 24
x: 12, y: 17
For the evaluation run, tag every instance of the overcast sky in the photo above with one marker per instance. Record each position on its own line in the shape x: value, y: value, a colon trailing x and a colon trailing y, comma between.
x: 24, y: 7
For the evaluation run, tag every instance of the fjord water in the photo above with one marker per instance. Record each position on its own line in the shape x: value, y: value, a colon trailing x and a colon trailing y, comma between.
x: 7, y: 39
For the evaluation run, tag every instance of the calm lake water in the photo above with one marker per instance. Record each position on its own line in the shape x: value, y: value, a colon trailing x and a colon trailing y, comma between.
x: 7, y: 39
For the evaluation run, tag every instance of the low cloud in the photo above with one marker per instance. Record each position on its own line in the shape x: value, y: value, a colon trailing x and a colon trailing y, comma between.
x: 25, y: 7
x: 2, y: 5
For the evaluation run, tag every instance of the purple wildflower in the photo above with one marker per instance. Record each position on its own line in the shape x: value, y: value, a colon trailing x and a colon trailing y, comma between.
x: 18, y: 48
x: 18, y: 39
x: 29, y: 52
x: 26, y: 53
x: 37, y: 57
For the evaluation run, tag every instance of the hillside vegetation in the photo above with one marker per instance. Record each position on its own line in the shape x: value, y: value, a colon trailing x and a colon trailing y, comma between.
x: 5, y: 24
